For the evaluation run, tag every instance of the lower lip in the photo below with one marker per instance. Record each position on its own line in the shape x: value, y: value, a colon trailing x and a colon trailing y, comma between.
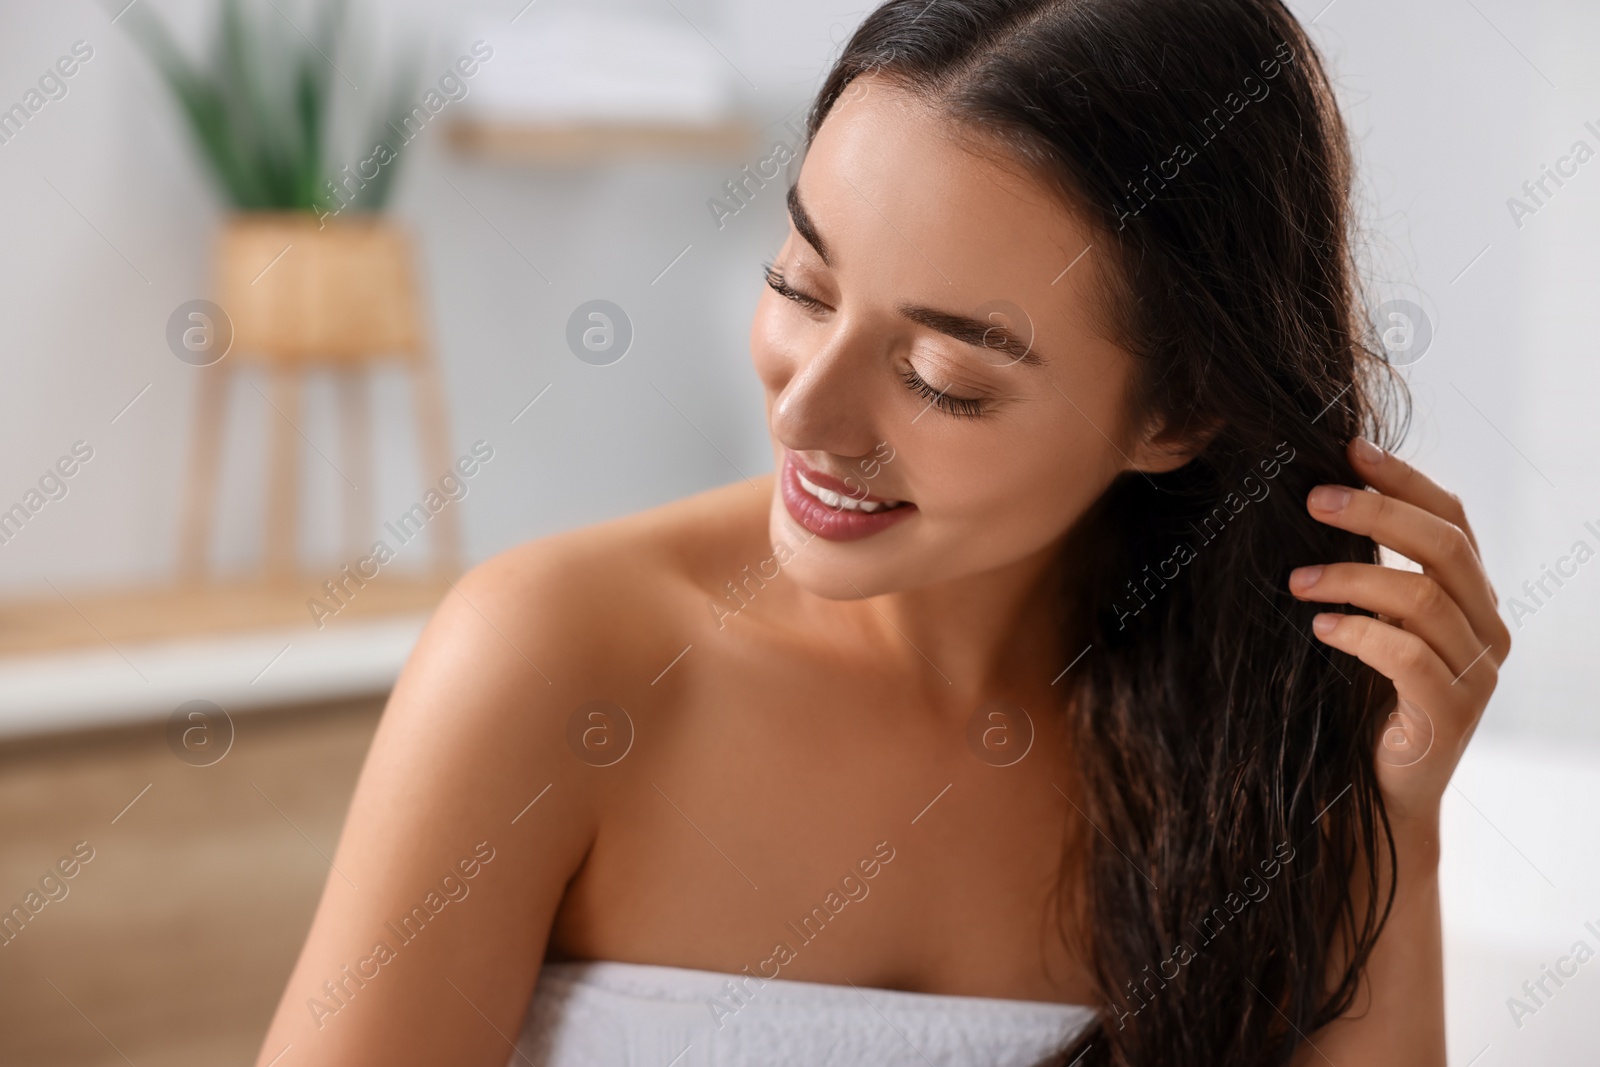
x: 834, y: 524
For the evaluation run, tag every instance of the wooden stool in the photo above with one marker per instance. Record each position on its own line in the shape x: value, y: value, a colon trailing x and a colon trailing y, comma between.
x: 341, y: 299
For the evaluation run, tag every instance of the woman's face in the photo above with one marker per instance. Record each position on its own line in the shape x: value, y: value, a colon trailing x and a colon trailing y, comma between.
x: 926, y: 338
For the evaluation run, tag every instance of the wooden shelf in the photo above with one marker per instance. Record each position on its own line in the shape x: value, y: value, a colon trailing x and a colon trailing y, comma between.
x: 92, y: 619
x: 531, y: 142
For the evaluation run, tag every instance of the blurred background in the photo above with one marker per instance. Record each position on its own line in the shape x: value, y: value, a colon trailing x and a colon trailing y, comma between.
x: 553, y: 214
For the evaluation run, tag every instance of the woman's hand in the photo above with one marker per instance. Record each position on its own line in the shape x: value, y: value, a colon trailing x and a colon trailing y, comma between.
x: 1439, y: 637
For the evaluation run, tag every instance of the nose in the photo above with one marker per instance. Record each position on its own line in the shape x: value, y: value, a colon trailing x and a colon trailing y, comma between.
x: 832, y: 398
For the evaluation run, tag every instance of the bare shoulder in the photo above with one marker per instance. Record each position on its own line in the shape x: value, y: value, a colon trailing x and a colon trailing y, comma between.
x: 523, y: 639
x: 585, y: 601
x: 472, y: 770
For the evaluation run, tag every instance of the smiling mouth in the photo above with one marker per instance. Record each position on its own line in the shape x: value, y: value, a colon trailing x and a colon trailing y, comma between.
x: 829, y: 510
x: 841, y: 501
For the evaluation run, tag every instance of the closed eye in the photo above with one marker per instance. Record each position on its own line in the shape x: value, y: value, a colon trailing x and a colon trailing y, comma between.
x: 960, y: 406
x: 780, y: 285
x: 964, y: 406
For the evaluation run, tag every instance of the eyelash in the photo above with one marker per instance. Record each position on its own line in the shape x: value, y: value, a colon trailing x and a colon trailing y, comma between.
x: 780, y: 285
x: 963, y: 406
x: 960, y: 406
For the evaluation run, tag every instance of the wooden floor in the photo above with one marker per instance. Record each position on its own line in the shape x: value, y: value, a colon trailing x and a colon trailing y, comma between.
x: 69, y: 618
x: 174, y: 942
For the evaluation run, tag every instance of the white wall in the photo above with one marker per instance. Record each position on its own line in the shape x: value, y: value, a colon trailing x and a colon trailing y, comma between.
x: 1454, y: 112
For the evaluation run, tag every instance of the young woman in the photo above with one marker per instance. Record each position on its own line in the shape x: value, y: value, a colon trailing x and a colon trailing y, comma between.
x: 1048, y: 704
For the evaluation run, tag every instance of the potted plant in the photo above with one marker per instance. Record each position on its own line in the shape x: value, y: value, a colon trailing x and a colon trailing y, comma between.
x: 261, y: 110
x: 308, y: 271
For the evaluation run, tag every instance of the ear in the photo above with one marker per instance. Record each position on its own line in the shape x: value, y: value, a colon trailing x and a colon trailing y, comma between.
x: 1164, y: 447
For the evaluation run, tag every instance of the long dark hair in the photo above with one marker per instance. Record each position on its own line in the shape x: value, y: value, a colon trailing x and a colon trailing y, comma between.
x: 1230, y: 892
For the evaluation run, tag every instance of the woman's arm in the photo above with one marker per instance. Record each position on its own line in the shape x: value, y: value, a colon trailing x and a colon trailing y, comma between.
x: 1440, y: 639
x: 1398, y: 1014
x: 427, y: 941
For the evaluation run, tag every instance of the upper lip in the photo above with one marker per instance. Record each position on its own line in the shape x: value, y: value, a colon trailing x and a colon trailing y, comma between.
x: 828, y: 481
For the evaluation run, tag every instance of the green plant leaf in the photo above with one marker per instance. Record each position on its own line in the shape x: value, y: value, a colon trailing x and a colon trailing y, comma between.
x: 260, y: 109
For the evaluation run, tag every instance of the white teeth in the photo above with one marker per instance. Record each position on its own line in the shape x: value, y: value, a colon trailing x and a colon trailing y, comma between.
x: 840, y: 501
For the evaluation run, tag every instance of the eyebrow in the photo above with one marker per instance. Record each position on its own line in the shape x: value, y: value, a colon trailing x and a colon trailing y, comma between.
x: 975, y: 332
x: 803, y: 224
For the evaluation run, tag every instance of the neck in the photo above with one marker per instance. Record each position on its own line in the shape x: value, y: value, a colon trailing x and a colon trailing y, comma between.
x: 966, y: 639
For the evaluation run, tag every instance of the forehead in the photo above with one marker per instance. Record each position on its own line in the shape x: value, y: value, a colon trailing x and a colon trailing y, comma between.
x: 900, y: 193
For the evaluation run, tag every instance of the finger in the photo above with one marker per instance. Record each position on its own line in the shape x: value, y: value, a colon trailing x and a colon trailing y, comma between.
x: 1393, y: 476
x: 1441, y: 547
x: 1415, y: 602
x: 1416, y: 670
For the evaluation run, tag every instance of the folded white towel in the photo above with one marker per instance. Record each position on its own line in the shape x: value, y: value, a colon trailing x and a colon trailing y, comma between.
x: 605, y: 1012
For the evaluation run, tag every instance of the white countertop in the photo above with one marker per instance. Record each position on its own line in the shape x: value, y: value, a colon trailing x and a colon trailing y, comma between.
x: 135, y: 682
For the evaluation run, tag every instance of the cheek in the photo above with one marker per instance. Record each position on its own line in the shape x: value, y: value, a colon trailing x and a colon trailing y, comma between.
x: 1024, y: 486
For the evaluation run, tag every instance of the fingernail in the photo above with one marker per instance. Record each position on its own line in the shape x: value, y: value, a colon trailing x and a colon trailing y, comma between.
x: 1330, y: 497
x: 1304, y: 577
x: 1324, y: 624
x: 1366, y: 451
